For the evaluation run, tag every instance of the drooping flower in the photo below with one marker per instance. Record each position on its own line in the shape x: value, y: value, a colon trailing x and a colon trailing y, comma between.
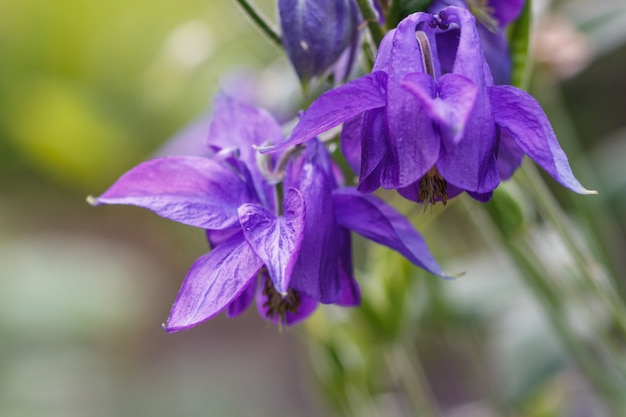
x: 315, y: 33
x: 492, y: 19
x: 289, y: 260
x: 429, y: 134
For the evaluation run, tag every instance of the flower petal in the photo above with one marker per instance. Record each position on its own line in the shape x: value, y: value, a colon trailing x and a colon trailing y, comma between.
x: 374, y: 148
x: 276, y: 240
x: 413, y: 143
x: 506, y: 11
x: 454, y: 102
x: 521, y: 116
x: 315, y: 272
x: 241, y: 303
x: 191, y: 190
x: 470, y: 164
x: 316, y: 32
x: 510, y: 155
x: 351, y: 143
x: 213, y: 282
x: 377, y: 221
x: 336, y: 106
x: 239, y: 126
x: 350, y: 292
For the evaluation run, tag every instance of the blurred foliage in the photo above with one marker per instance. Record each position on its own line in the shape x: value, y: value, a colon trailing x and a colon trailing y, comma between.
x: 90, y: 88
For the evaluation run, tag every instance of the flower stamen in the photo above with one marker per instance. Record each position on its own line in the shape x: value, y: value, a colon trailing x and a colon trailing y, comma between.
x: 432, y: 188
x: 278, y: 305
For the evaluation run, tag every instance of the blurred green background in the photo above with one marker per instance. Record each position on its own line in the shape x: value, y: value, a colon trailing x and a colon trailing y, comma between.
x: 88, y: 89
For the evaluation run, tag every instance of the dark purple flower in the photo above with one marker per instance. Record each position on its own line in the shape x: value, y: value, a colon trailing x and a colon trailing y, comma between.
x: 493, y: 16
x: 289, y: 259
x: 316, y: 33
x: 432, y: 135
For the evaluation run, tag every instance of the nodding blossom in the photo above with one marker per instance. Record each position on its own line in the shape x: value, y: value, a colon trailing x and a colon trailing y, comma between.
x: 286, y: 245
x: 431, y: 134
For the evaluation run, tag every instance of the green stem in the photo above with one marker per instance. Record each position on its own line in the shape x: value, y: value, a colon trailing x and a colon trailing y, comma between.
x: 593, y: 273
x: 370, y: 17
x: 261, y: 21
x: 411, y: 373
x: 551, y: 300
x: 555, y: 313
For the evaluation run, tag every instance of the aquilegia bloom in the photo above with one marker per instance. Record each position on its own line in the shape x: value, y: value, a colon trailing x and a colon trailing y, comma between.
x: 289, y: 259
x: 432, y: 135
x: 315, y: 33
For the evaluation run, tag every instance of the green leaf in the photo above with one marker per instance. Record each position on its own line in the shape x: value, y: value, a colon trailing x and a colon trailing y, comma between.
x: 519, y: 40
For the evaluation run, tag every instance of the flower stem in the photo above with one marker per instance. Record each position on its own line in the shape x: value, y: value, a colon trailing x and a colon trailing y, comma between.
x: 411, y: 373
x: 370, y: 17
x: 260, y: 21
x: 593, y: 273
x: 594, y: 356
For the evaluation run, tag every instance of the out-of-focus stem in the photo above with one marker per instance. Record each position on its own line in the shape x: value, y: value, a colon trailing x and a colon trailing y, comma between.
x: 411, y: 373
x: 260, y: 21
x: 593, y: 273
x: 370, y: 17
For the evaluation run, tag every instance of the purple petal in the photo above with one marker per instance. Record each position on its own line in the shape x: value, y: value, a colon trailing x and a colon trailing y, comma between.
x: 351, y: 143
x: 215, y: 237
x: 496, y: 49
x: 471, y: 163
x: 375, y: 220
x: 239, y: 126
x: 453, y: 104
x: 413, y: 142
x: 276, y: 240
x: 336, y: 106
x: 506, y: 11
x: 315, y: 273
x: 510, y: 156
x: 191, y: 190
x: 316, y: 32
x: 383, y: 55
x: 241, y: 303
x: 213, y: 282
x: 482, y: 197
x: 374, y: 148
x: 350, y: 292
x: 521, y: 116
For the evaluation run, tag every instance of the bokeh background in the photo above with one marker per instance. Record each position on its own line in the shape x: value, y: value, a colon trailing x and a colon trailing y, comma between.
x: 89, y: 89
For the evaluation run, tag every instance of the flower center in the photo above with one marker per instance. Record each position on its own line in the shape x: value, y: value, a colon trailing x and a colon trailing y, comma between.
x: 432, y: 188
x: 277, y: 305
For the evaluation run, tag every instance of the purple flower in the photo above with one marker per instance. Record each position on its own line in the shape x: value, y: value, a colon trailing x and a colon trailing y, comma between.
x: 289, y: 260
x: 432, y: 136
x: 316, y: 33
x: 493, y: 17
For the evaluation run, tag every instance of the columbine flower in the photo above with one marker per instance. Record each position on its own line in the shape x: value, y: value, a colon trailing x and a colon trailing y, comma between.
x: 289, y: 260
x: 432, y: 136
x: 316, y: 33
x: 493, y: 16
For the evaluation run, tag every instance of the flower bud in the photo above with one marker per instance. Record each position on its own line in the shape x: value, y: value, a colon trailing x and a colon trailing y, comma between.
x: 316, y: 32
